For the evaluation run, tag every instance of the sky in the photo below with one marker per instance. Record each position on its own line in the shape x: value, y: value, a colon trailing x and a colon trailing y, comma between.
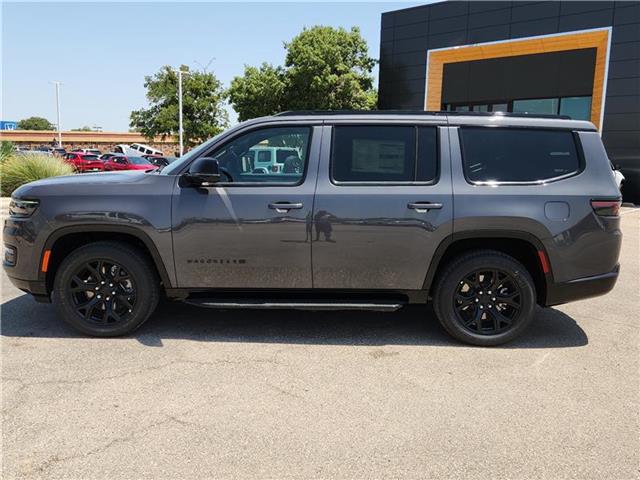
x: 102, y: 51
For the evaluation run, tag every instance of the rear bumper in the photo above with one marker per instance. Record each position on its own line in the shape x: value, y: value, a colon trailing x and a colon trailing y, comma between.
x: 90, y: 168
x: 580, y: 288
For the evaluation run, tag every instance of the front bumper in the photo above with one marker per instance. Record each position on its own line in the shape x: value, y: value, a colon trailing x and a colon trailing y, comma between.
x: 580, y: 288
x: 36, y: 288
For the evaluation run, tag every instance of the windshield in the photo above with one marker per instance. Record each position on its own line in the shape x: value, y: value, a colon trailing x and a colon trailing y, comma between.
x: 89, y: 157
x: 138, y: 161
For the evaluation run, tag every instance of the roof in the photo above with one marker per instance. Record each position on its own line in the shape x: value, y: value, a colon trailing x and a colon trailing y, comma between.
x: 524, y: 120
x: 291, y: 113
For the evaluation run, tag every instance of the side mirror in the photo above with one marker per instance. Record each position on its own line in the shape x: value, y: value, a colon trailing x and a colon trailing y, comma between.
x: 204, y: 172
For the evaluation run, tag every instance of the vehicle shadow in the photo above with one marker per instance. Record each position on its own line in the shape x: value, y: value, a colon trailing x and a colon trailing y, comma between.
x: 412, y: 325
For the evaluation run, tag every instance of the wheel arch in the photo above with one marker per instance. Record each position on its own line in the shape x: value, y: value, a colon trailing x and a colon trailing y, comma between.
x: 523, y: 246
x: 65, y: 239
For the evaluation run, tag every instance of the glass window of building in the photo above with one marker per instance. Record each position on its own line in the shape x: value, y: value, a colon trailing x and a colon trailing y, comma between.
x: 578, y: 108
x: 547, y: 106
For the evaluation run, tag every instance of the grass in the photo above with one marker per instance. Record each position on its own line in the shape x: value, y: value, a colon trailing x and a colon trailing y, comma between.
x: 16, y: 170
x: 6, y: 150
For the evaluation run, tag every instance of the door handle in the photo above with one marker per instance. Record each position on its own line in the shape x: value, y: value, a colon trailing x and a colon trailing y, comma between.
x: 423, y: 207
x: 284, y: 207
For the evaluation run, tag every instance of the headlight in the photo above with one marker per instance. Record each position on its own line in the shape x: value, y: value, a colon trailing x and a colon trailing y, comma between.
x: 22, y: 208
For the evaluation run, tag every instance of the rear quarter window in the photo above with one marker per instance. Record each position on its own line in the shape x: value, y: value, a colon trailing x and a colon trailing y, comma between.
x: 491, y: 154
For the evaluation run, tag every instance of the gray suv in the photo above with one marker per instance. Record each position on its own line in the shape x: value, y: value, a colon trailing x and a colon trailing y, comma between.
x: 484, y: 215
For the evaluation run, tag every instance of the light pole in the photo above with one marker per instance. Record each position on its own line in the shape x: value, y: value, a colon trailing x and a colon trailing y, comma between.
x: 180, y: 129
x: 205, y: 67
x: 57, y: 84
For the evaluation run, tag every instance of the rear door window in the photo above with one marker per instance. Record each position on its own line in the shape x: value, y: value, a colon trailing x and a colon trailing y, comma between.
x: 387, y: 154
x: 517, y: 155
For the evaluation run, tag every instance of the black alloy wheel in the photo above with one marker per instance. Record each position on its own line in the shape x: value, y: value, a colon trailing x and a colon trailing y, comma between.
x: 484, y: 297
x: 487, y: 302
x: 106, y: 288
x: 102, y: 292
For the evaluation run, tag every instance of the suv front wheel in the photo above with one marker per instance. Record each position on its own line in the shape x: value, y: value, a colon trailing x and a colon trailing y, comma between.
x: 485, y: 298
x: 106, y: 289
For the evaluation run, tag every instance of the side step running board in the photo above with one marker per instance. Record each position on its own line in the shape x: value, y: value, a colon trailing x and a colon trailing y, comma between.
x: 294, y: 305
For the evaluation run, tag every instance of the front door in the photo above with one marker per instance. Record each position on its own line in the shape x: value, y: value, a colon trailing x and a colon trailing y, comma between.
x: 383, y: 205
x: 252, y: 229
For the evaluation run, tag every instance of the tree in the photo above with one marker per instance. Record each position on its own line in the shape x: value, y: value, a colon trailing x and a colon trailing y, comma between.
x: 325, y: 68
x: 259, y: 92
x: 86, y: 128
x: 202, y: 106
x: 35, y: 123
x: 329, y: 69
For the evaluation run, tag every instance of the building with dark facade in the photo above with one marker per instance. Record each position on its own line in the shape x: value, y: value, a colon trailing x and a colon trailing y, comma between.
x: 576, y: 58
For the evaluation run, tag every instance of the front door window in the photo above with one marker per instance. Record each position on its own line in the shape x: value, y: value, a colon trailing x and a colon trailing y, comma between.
x: 250, y: 158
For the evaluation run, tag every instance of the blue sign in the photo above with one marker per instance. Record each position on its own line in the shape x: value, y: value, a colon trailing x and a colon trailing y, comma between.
x: 4, y: 125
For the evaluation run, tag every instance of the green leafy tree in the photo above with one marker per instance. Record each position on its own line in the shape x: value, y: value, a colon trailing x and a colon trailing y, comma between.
x: 259, y: 92
x: 35, y: 123
x: 202, y: 106
x: 86, y: 128
x: 325, y: 68
x: 329, y: 69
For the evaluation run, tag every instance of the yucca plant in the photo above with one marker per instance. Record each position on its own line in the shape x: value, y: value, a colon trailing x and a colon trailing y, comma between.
x: 17, y: 170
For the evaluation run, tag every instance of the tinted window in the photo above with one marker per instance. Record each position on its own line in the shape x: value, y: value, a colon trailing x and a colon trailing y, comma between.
x: 374, y: 154
x: 547, y: 106
x: 578, y: 108
x: 264, y: 156
x: 517, y: 155
x: 384, y: 154
x: 283, y: 153
x: 139, y: 161
x: 237, y: 158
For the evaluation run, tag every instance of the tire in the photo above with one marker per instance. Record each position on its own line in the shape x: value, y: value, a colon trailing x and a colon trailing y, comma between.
x: 86, y: 280
x: 468, y: 308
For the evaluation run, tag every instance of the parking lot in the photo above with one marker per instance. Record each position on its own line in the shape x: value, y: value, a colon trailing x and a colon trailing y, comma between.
x: 285, y: 394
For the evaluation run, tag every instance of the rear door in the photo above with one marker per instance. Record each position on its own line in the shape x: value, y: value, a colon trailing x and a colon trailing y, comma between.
x: 383, y: 204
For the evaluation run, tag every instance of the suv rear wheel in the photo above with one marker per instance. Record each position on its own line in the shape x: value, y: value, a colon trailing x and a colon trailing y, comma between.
x: 106, y: 289
x: 485, y: 298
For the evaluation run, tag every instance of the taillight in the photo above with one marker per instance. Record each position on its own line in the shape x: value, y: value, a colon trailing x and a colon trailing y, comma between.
x: 606, y: 208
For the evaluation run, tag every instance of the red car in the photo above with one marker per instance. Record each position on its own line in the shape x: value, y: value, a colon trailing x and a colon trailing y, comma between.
x: 84, y: 162
x: 122, y: 162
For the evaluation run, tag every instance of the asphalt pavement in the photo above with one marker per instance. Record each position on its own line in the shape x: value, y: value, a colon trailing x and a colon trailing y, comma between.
x: 284, y: 394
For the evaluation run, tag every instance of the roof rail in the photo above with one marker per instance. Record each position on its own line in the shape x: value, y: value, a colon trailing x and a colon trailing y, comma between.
x: 291, y: 113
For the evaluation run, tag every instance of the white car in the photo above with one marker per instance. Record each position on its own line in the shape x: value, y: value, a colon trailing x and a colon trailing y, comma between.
x: 619, y: 177
x: 88, y: 151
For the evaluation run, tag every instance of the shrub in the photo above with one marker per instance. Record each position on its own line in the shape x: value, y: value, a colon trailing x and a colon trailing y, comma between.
x: 20, y: 169
x: 6, y: 150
